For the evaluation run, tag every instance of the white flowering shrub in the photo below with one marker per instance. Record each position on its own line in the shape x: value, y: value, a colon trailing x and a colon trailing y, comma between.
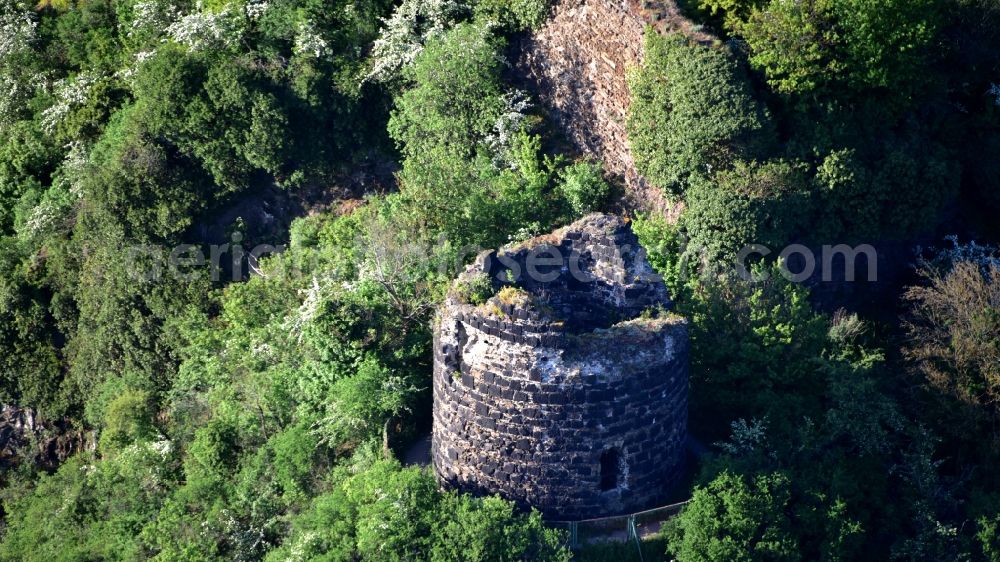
x: 74, y: 167
x: 127, y: 74
x: 308, y: 41
x: 246, y: 539
x: 745, y: 437
x: 54, y: 211
x: 13, y: 95
x: 41, y: 220
x: 995, y: 92
x: 984, y: 256
x: 149, y: 468
x: 150, y: 18
x: 69, y: 93
x: 304, y: 546
x: 17, y: 28
x: 255, y: 9
x: 403, y: 34
x: 202, y: 30
x: 17, y: 32
x: 313, y: 298
x: 513, y: 120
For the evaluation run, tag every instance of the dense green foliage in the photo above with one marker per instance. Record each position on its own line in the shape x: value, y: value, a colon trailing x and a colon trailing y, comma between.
x: 732, y: 519
x: 763, y: 203
x: 805, y: 47
x: 692, y: 111
x: 821, y: 461
x: 228, y: 412
x: 385, y: 513
x: 825, y: 457
x: 470, y: 161
x: 260, y: 418
x: 850, y: 95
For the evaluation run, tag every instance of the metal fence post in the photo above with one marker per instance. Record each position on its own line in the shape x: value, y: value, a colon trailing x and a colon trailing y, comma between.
x: 633, y: 533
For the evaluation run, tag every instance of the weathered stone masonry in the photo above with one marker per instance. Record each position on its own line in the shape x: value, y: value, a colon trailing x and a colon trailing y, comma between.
x: 577, y: 64
x: 564, y: 396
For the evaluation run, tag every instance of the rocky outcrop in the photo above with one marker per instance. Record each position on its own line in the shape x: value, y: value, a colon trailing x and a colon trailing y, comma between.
x: 566, y: 390
x: 24, y: 437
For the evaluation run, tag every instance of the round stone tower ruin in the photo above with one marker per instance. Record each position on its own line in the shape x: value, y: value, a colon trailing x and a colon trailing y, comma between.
x: 560, y: 379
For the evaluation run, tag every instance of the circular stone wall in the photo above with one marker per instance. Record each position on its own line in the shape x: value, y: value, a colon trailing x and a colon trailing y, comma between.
x: 569, y: 394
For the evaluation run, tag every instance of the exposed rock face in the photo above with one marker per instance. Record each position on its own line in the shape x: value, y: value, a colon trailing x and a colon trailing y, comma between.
x: 558, y: 392
x: 577, y: 63
x: 49, y: 444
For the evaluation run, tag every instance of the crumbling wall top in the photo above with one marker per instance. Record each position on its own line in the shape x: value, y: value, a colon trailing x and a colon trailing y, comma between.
x: 589, y: 275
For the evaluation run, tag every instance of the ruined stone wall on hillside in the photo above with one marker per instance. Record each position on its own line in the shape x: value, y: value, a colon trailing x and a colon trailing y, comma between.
x: 577, y: 64
x: 561, y: 394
